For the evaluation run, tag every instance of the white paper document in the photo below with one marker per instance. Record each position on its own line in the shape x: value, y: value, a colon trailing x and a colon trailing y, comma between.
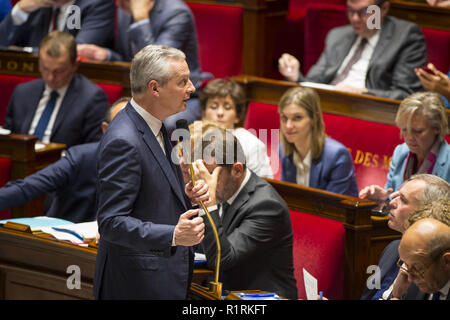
x: 310, y: 285
x: 317, y: 85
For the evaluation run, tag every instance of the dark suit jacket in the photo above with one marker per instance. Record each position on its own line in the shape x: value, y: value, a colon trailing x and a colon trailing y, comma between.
x: 256, y: 241
x: 140, y: 199
x: 400, y: 48
x: 171, y: 24
x: 333, y: 171
x: 97, y: 25
x: 70, y: 183
x: 414, y: 293
x: 388, y: 258
x: 79, y: 117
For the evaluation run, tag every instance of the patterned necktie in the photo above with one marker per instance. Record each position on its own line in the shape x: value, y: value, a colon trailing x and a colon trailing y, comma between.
x: 45, y: 117
x: 356, y: 56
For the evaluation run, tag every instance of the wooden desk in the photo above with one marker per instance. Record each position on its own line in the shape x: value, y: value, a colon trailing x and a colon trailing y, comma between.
x: 358, y: 106
x: 34, y: 267
x: 421, y: 13
x: 25, y: 160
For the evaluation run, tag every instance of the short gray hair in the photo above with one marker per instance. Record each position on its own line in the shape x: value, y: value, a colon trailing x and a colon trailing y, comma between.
x: 152, y: 63
x: 435, y: 188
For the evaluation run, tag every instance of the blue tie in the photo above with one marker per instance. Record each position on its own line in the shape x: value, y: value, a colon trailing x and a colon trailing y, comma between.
x: 45, y: 117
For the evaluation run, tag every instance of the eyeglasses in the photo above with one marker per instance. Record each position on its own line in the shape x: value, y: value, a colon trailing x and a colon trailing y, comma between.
x: 361, y: 12
x: 414, y: 272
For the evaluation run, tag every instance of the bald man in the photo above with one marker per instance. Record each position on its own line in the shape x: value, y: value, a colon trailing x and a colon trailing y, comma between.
x: 425, y: 253
x: 69, y: 182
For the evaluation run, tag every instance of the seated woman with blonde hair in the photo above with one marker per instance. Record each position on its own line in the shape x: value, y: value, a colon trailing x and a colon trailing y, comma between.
x: 223, y: 102
x: 423, y: 124
x: 308, y: 157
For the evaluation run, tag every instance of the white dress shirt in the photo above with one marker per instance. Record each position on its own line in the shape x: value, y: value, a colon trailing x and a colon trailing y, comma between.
x: 357, y: 75
x: 40, y: 109
x: 303, y: 168
x: 154, y: 123
x: 255, y: 152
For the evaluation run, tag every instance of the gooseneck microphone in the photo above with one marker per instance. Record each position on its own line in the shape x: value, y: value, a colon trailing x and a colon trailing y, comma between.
x: 215, y: 287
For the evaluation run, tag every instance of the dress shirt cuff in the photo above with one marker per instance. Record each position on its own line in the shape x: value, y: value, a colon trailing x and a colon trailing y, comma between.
x: 18, y: 16
x: 135, y: 25
x: 210, y: 209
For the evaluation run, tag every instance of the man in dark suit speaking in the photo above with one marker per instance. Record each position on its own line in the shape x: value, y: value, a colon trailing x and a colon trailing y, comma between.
x: 145, y: 225
x: 364, y: 57
x: 252, y: 220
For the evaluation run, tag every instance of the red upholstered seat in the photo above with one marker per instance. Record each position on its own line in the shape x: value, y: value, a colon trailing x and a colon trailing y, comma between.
x: 219, y: 30
x: 264, y: 119
x: 438, y: 48
x: 320, y: 18
x: 7, y: 85
x: 371, y: 145
x: 5, y: 176
x: 319, y: 247
x: 113, y: 91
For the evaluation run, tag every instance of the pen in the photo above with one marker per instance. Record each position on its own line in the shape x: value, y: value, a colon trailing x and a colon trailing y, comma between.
x: 321, y: 295
x: 69, y: 231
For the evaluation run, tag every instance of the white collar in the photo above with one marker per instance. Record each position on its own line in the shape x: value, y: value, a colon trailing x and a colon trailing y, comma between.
x: 244, y: 182
x: 61, y: 91
x: 154, y: 123
x: 444, y: 290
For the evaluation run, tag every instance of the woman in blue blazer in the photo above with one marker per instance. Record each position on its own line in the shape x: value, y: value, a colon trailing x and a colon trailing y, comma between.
x: 423, y: 123
x: 308, y: 157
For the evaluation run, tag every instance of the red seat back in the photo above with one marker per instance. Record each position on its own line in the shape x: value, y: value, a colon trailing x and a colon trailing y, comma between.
x: 113, y: 91
x: 319, y: 20
x: 7, y: 85
x: 319, y: 247
x: 371, y: 145
x: 219, y: 30
x: 438, y: 48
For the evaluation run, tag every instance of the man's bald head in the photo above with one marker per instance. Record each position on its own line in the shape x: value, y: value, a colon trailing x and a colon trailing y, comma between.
x: 425, y: 248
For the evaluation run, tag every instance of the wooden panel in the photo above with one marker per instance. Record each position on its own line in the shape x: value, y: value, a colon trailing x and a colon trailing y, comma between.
x: 421, y: 13
x: 25, y: 160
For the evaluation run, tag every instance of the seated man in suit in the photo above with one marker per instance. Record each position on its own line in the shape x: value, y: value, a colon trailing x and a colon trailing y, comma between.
x: 425, y: 256
x: 361, y: 60
x: 252, y: 220
x: 89, y: 21
x: 69, y: 182
x: 414, y: 193
x: 162, y: 22
x: 62, y: 106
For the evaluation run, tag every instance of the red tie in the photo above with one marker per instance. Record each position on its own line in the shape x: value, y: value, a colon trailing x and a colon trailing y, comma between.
x: 55, y: 19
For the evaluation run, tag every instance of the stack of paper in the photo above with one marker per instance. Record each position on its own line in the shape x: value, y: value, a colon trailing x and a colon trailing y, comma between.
x: 78, y: 233
x: 36, y: 223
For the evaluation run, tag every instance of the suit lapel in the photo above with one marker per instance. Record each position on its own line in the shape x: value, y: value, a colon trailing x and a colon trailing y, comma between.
x: 314, y: 174
x: 68, y: 102
x: 240, y: 200
x: 385, y: 38
x: 155, y: 148
x: 341, y: 52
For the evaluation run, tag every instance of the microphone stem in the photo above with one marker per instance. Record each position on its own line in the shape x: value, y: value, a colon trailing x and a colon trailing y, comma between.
x: 216, y: 235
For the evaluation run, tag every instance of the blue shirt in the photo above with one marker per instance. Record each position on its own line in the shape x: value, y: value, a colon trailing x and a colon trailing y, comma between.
x: 447, y: 105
